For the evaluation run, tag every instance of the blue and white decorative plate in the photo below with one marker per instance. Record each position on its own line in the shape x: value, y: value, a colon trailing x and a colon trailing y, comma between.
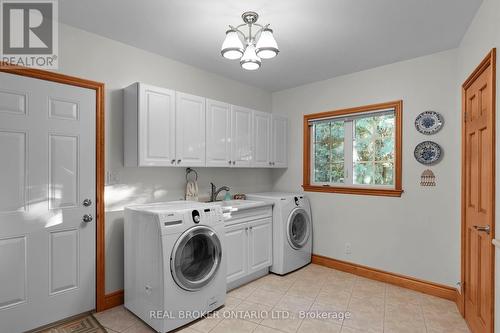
x: 427, y: 152
x: 429, y: 122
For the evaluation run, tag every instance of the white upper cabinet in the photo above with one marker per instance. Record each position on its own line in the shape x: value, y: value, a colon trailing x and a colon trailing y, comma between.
x: 149, y: 126
x: 279, y: 145
x: 163, y: 127
x: 241, y: 136
x: 218, y: 130
x: 261, y: 139
x: 190, y: 130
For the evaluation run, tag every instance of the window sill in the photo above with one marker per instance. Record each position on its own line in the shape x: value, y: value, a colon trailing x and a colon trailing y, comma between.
x: 354, y: 190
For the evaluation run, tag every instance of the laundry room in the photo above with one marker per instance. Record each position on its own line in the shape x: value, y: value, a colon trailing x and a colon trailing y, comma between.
x: 235, y: 166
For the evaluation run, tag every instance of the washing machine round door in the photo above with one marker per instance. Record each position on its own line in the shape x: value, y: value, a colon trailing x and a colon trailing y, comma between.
x: 298, y: 228
x: 196, y: 258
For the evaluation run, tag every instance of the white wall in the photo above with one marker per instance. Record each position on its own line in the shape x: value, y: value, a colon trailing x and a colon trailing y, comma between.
x: 117, y: 65
x: 417, y: 234
x: 483, y: 35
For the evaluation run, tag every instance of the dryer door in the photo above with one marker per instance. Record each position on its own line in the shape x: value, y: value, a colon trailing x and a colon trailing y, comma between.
x: 196, y: 258
x: 298, y: 228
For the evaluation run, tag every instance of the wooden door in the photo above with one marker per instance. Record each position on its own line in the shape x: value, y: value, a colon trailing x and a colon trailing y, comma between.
x: 190, y: 130
x: 261, y: 138
x: 478, y: 167
x: 47, y: 202
x: 218, y: 129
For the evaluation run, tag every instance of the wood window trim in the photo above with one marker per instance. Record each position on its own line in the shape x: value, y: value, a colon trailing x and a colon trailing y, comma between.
x: 393, y: 192
x: 103, y: 301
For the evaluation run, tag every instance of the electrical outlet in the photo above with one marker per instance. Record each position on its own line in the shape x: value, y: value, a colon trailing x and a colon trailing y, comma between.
x: 347, y: 248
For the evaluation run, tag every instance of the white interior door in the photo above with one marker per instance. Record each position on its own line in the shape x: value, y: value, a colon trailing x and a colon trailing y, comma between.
x: 261, y: 139
x: 190, y: 130
x: 218, y: 134
x: 47, y: 170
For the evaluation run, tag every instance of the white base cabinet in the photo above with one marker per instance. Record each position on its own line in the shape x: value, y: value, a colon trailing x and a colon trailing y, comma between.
x: 248, y: 248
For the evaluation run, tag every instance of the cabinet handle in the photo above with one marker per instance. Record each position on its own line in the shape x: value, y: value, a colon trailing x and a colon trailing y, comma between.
x: 179, y: 161
x: 229, y: 162
x: 270, y: 163
x: 172, y: 161
x: 234, y: 162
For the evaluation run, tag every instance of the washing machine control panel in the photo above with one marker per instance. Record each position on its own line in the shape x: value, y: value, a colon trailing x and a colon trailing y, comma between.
x: 207, y: 215
x: 199, y: 215
x: 298, y: 200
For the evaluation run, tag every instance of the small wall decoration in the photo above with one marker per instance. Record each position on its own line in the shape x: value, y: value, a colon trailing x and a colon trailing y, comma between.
x: 427, y: 178
x: 427, y: 152
x: 429, y: 122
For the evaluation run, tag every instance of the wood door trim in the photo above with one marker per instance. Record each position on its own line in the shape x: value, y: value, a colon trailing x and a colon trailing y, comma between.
x: 426, y: 287
x: 489, y: 60
x: 100, y: 229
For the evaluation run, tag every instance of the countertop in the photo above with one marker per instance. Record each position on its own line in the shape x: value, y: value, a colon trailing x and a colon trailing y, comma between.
x: 239, y: 205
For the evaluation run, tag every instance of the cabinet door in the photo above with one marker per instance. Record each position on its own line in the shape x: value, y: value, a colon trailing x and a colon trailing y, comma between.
x: 218, y: 129
x: 236, y: 251
x: 241, y: 134
x: 156, y: 126
x: 279, y: 142
x: 190, y: 130
x: 261, y: 139
x: 260, y: 240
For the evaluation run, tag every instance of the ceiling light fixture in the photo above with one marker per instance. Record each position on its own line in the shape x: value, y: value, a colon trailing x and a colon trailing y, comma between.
x: 260, y: 45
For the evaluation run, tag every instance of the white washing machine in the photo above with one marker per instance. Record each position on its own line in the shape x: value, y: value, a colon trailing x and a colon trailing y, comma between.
x: 292, y: 230
x: 175, y: 266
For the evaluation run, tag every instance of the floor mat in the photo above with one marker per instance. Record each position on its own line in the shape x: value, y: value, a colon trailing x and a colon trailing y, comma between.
x: 83, y: 324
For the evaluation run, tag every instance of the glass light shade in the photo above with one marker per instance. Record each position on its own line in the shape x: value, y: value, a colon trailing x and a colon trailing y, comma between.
x: 267, y: 47
x: 232, y: 47
x: 250, y: 61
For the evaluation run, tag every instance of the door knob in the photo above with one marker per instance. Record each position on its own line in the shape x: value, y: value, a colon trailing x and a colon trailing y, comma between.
x: 87, y: 218
x: 87, y: 202
x: 485, y: 229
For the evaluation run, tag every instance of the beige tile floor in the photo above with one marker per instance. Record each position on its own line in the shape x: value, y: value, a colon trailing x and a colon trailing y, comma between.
x: 373, y: 307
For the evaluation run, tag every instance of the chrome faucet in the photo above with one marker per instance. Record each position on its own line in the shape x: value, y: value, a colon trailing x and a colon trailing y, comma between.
x: 214, y: 192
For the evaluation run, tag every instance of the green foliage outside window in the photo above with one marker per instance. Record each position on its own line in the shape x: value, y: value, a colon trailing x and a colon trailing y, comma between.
x: 373, y: 149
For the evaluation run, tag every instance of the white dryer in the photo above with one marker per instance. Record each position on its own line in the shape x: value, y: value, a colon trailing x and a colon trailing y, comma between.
x: 292, y: 230
x: 175, y: 266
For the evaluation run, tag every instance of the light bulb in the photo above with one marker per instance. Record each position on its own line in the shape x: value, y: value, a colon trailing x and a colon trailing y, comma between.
x: 232, y: 47
x: 250, y: 61
x: 267, y: 47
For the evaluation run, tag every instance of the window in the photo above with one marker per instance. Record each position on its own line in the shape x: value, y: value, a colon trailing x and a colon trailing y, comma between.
x: 354, y: 151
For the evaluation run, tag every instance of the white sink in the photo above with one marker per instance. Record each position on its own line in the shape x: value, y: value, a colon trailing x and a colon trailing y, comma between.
x: 233, y: 205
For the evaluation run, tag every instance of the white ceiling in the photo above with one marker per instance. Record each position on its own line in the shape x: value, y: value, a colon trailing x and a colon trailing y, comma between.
x: 318, y: 39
